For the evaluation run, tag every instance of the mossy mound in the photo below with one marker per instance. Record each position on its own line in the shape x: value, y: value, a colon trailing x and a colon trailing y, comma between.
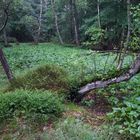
x: 48, y: 77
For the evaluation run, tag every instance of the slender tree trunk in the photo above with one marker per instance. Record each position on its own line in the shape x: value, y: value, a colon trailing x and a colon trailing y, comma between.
x: 75, y: 22
x: 128, y: 35
x: 76, y: 32
x: 56, y: 21
x: 2, y: 56
x: 5, y: 38
x: 39, y: 22
x: 6, y: 17
x: 98, y: 9
x: 46, y: 4
x: 119, y: 55
x: 71, y: 21
x: 5, y: 66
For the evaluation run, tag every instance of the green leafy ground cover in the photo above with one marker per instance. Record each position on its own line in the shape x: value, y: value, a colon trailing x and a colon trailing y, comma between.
x: 24, y: 102
x: 81, y: 65
x: 64, y: 67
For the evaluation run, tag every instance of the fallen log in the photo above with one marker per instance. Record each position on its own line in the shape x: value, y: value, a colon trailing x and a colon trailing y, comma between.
x: 134, y: 69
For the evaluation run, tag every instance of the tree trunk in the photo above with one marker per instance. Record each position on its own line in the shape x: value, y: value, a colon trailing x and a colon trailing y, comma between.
x: 39, y: 22
x: 46, y: 4
x: 6, y: 18
x: 119, y: 56
x: 5, y: 66
x: 98, y: 9
x: 75, y: 22
x: 135, y: 68
x: 5, y: 38
x: 71, y: 21
x: 56, y: 21
x: 2, y: 57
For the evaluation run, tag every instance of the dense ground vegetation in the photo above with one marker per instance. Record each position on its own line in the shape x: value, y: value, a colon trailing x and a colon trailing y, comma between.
x: 23, y: 103
x: 78, y: 63
x: 60, y: 72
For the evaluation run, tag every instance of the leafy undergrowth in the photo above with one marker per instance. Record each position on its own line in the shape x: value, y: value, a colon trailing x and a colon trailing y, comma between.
x: 86, y: 115
x: 25, y: 111
x: 22, y: 103
x: 74, y: 129
x: 126, y: 115
x: 68, y: 129
x: 124, y: 98
x: 60, y: 69
x: 81, y: 65
x: 32, y: 127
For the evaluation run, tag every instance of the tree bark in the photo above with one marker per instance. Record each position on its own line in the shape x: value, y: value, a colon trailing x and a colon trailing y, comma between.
x: 75, y: 22
x: 5, y: 66
x: 56, y: 21
x: 39, y: 22
x: 98, y: 9
x: 135, y: 68
x: 46, y: 4
x: 40, y: 18
x: 6, y: 19
x: 2, y: 56
x: 5, y: 38
x: 71, y: 21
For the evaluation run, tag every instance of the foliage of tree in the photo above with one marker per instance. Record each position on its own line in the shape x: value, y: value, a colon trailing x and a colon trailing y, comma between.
x: 67, y: 21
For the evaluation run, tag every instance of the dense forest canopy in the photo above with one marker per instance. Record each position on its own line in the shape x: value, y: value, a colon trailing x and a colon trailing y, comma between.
x: 71, y: 21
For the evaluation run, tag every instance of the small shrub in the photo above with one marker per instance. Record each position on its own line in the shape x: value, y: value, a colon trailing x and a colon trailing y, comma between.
x: 95, y: 36
x: 127, y: 117
x: 23, y: 103
x: 88, y: 102
x: 46, y: 77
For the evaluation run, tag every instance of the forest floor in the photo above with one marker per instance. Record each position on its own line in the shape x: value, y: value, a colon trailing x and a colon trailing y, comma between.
x: 81, y: 66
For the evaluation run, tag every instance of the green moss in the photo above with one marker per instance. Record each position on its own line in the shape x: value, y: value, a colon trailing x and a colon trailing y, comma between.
x: 48, y: 77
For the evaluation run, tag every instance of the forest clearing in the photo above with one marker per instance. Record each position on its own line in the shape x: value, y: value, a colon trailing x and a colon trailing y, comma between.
x: 69, y: 70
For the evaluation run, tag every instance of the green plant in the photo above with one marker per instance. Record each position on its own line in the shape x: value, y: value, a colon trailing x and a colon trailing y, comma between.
x: 77, y: 63
x: 88, y: 102
x: 127, y: 116
x: 95, y: 36
x: 135, y: 40
x: 22, y: 103
x: 71, y: 129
